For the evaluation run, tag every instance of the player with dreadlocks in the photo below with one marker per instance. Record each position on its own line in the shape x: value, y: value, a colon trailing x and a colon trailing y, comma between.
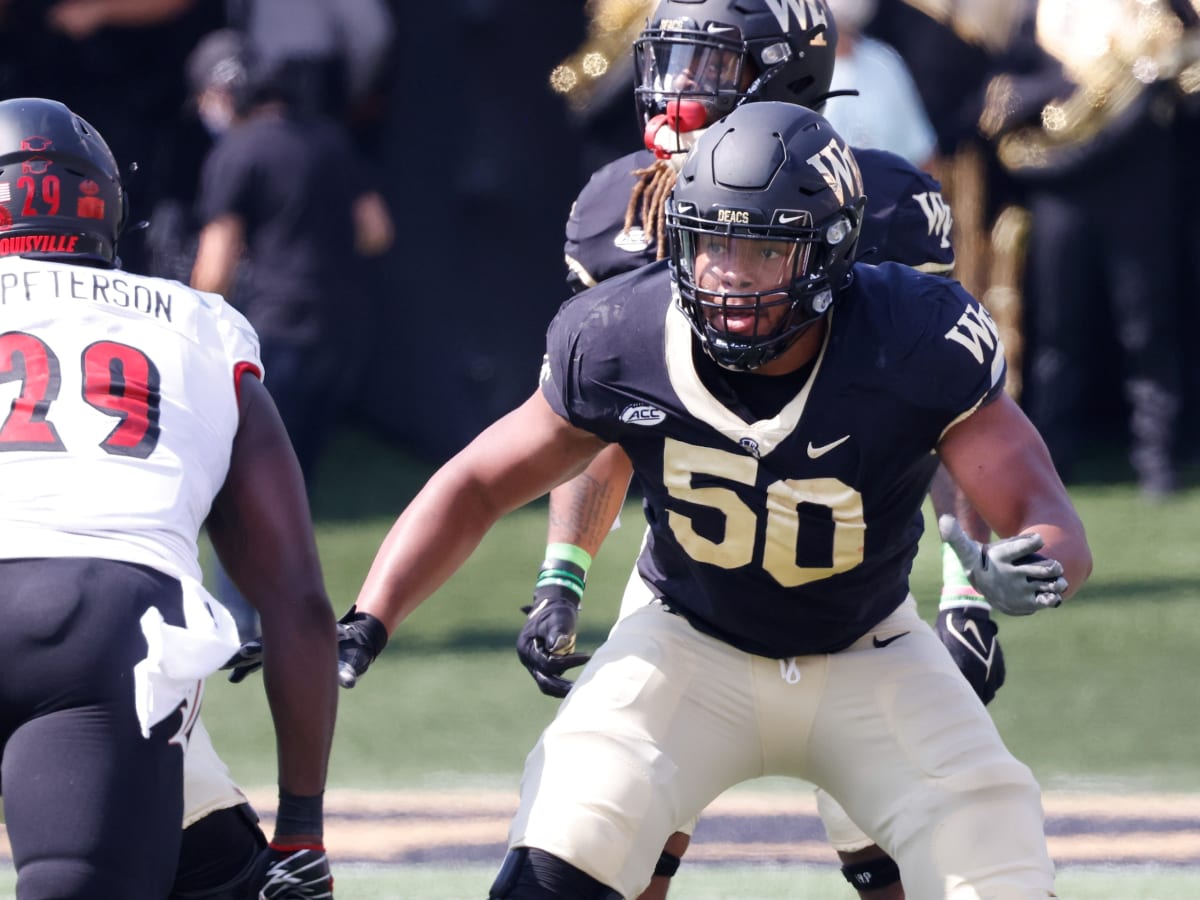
x: 695, y: 61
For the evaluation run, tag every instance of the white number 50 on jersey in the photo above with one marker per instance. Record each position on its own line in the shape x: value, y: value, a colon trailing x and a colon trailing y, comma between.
x: 782, y: 535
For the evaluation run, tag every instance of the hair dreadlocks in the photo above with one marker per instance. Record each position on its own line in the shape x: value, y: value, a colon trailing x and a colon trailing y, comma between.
x: 648, y: 202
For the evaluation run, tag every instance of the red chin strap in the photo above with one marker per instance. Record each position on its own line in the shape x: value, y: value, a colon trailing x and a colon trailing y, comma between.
x: 681, y: 117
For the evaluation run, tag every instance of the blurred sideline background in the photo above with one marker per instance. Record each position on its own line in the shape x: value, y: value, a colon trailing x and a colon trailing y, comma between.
x: 482, y: 119
x: 479, y: 160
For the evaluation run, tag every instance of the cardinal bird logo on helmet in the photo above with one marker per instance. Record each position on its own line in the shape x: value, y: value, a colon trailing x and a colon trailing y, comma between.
x: 36, y: 165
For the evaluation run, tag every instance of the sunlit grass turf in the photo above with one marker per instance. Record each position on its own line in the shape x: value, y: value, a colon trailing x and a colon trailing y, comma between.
x: 726, y: 882
x: 759, y: 882
x: 1100, y: 693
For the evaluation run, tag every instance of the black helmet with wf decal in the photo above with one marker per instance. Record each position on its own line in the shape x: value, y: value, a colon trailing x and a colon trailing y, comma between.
x: 60, y: 187
x: 763, y: 224
x: 698, y: 59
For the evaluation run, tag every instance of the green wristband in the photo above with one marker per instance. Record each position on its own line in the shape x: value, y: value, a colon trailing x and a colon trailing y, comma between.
x: 565, y: 566
x: 957, y: 589
x: 569, y: 553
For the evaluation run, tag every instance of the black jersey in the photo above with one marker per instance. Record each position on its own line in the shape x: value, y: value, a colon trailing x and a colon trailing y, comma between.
x: 792, y: 532
x: 907, y: 219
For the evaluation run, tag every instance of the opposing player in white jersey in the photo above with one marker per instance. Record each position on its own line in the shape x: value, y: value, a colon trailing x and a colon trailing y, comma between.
x: 132, y: 414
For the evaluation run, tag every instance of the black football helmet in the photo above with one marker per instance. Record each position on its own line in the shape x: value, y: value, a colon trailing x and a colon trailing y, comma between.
x: 698, y: 59
x: 763, y: 223
x: 60, y: 187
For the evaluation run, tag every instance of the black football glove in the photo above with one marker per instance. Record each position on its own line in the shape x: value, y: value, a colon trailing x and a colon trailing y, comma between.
x: 546, y: 644
x: 247, y: 660
x: 1010, y: 573
x: 293, y: 873
x: 361, y: 638
x: 970, y: 635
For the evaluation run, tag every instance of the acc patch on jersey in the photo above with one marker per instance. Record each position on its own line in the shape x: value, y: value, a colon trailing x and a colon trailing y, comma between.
x: 642, y: 414
x: 631, y: 241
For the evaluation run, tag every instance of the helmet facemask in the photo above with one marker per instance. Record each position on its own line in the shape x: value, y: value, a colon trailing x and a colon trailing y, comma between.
x: 687, y: 79
x: 751, y: 290
x: 699, y: 59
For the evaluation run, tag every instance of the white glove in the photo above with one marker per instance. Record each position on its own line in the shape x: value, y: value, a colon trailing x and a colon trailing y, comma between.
x: 1009, y: 573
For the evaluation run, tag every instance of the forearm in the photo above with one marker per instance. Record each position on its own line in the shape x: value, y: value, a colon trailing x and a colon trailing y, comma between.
x: 139, y: 12
x: 123, y: 13
x: 217, y: 255
x: 947, y: 499
x: 1041, y: 505
x: 212, y: 275
x: 1003, y: 467
x: 516, y: 460
x: 433, y: 537
x: 1065, y: 541
x: 583, y: 510
x: 301, y: 686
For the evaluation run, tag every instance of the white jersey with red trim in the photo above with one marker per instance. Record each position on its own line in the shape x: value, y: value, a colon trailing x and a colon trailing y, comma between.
x: 117, y: 412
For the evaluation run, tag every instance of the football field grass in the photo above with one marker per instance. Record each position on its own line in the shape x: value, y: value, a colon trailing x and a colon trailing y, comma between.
x: 704, y: 882
x: 1100, y: 695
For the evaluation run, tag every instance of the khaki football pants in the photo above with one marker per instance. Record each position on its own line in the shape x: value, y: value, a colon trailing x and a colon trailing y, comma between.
x: 207, y: 784
x: 664, y: 719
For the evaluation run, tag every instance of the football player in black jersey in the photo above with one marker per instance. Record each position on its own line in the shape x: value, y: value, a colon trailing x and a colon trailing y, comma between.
x: 695, y: 62
x: 784, y: 409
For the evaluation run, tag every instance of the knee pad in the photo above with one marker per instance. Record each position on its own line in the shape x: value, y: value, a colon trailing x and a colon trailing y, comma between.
x: 872, y: 874
x: 531, y: 874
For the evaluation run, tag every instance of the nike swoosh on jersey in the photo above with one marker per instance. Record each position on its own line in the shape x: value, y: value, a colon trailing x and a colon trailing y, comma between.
x: 883, y: 643
x: 818, y: 452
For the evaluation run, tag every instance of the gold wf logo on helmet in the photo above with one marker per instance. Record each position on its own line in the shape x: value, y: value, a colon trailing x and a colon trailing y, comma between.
x: 808, y: 13
x: 839, y: 169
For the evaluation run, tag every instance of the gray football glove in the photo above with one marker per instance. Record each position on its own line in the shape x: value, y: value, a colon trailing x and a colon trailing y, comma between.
x: 1010, y: 573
